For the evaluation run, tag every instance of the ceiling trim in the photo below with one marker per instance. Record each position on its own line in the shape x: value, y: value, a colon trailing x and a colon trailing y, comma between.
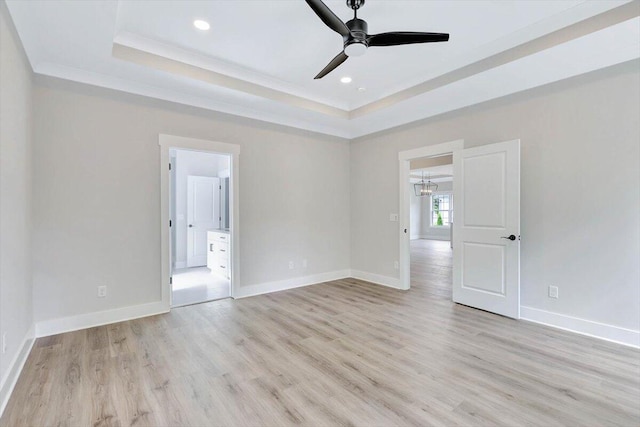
x: 164, y: 94
x: 158, y: 62
x: 583, y: 21
x: 587, y: 26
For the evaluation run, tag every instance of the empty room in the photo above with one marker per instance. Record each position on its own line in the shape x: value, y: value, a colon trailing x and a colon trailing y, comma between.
x: 320, y: 213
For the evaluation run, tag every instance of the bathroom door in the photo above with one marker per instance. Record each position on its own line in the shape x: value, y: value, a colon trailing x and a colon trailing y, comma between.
x: 203, y: 214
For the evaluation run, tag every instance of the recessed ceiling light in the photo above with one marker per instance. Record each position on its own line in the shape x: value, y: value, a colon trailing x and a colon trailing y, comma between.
x: 201, y: 25
x: 362, y: 89
x: 346, y: 79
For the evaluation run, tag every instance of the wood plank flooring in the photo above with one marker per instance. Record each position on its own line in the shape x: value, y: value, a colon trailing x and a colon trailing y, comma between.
x: 341, y: 353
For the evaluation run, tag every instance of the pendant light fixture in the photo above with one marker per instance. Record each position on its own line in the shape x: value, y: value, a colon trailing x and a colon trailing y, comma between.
x: 425, y: 188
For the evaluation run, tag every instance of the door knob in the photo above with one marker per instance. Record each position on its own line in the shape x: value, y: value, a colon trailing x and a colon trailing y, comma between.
x: 512, y: 237
x: 190, y: 225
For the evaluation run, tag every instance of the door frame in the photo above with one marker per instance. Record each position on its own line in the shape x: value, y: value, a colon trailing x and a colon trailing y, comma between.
x: 404, y: 159
x: 167, y: 142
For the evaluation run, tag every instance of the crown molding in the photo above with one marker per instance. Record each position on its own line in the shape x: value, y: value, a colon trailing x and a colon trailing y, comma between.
x: 595, y: 19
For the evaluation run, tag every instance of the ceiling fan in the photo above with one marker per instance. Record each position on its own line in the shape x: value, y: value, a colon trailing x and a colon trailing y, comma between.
x: 355, y: 37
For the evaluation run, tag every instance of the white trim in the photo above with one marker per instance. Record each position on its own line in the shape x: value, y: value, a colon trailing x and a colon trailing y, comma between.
x: 163, y: 57
x: 294, y: 282
x: 435, y: 150
x: 274, y: 114
x: 377, y: 279
x: 429, y: 237
x: 167, y: 142
x: 590, y: 328
x: 15, y: 368
x: 404, y: 157
x: 99, y: 318
x: 179, y: 264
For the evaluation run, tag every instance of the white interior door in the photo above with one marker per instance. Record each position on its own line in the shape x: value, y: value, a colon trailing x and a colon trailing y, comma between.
x: 486, y: 246
x: 203, y: 214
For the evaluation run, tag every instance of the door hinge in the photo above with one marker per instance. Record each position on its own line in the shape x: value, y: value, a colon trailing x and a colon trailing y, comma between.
x: 169, y: 166
x: 170, y: 223
x: 171, y: 280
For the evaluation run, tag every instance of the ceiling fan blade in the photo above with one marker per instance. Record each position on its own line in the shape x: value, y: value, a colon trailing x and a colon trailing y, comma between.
x: 328, y: 17
x: 335, y: 63
x: 405, y: 37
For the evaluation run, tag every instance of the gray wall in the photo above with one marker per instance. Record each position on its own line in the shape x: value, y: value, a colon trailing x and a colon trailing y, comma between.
x: 16, y: 312
x: 580, y: 154
x: 303, y: 196
x: 97, y: 211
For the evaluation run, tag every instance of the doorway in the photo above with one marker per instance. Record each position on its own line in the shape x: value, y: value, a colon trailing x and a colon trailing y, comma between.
x: 431, y: 224
x: 486, y: 230
x: 199, y: 201
x: 423, y: 159
x: 198, y: 259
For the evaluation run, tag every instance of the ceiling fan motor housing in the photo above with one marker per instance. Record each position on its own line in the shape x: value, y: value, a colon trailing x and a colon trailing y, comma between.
x: 355, y: 44
x: 355, y: 4
x: 358, y: 28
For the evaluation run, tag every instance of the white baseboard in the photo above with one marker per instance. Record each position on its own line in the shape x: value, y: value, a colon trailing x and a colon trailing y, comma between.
x: 99, y: 318
x: 430, y: 237
x: 180, y: 264
x: 15, y: 368
x: 294, y: 282
x: 581, y: 326
x: 378, y: 279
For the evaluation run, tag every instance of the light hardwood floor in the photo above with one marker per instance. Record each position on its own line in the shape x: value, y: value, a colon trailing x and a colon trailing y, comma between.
x: 342, y: 353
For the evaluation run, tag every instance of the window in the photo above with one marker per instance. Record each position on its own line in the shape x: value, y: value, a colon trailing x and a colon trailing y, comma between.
x: 441, y: 210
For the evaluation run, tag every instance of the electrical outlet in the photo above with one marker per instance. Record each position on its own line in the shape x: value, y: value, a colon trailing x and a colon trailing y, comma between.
x: 553, y: 292
x: 396, y: 265
x: 4, y: 343
x: 304, y: 263
x: 393, y: 217
x: 291, y: 265
x: 102, y: 291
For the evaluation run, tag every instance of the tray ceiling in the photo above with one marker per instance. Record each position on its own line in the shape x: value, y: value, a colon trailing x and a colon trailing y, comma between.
x: 259, y: 58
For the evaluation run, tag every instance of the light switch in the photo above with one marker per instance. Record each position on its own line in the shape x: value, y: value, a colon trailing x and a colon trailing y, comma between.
x: 393, y: 217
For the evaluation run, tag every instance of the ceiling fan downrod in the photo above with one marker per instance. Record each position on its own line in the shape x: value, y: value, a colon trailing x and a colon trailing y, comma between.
x: 355, y: 5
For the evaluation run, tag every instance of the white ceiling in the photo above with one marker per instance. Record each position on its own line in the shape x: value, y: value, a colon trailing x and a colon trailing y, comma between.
x: 259, y: 58
x: 442, y: 173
